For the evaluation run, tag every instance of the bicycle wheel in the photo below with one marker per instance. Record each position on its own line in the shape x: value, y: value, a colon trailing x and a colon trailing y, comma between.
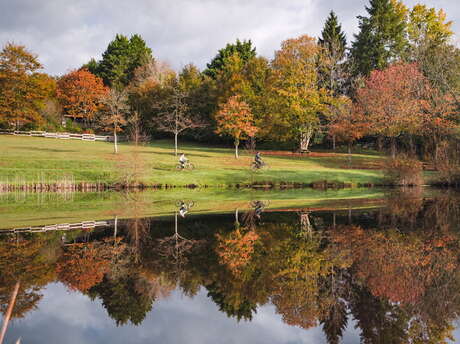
x: 179, y: 203
x: 191, y: 204
x: 190, y: 166
x: 178, y: 167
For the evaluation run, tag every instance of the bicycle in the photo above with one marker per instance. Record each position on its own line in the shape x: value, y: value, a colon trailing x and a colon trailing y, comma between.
x: 188, y: 204
x: 187, y: 165
x: 256, y: 166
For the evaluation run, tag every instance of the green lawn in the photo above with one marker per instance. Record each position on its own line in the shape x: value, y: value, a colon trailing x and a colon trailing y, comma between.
x: 32, y: 159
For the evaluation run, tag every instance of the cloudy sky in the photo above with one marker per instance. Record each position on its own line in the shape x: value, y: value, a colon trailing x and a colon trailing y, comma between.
x: 67, y: 33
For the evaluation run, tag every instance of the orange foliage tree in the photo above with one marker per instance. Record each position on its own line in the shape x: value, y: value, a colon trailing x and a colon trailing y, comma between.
x: 83, y: 265
x: 80, y: 93
x: 349, y: 123
x: 235, y: 119
x: 235, y: 250
x: 395, y: 266
x: 392, y: 99
x: 22, y: 89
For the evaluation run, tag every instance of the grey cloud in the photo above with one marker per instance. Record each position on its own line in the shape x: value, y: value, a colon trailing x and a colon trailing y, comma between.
x: 65, y: 34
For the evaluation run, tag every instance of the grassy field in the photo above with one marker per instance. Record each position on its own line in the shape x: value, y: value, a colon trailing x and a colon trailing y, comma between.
x: 32, y: 159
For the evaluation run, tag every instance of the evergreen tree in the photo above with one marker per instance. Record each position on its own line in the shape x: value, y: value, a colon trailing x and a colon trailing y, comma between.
x: 333, y: 38
x: 382, y: 37
x: 244, y: 49
x: 120, y: 60
x: 334, y: 44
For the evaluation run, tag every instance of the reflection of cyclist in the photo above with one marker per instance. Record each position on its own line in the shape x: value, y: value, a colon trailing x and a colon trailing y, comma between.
x: 182, y: 160
x: 258, y: 208
x: 183, y: 209
x: 258, y: 160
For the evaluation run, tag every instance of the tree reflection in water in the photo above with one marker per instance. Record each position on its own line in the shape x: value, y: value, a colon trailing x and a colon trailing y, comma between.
x: 394, y: 269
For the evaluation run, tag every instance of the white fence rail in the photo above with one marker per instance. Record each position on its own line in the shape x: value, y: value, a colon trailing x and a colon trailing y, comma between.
x: 59, y: 227
x: 64, y: 136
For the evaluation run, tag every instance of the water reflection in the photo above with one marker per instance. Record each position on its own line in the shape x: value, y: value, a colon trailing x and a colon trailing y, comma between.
x: 393, y: 271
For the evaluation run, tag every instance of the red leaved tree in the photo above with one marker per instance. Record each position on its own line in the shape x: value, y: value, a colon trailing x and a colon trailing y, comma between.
x: 392, y: 100
x: 235, y: 119
x: 81, y: 93
x: 349, y: 123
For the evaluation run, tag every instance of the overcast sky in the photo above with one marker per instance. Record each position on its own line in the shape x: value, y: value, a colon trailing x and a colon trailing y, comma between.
x: 67, y: 33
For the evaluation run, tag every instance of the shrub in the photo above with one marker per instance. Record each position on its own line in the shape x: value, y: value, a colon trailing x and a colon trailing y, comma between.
x: 403, y: 171
x: 448, y: 164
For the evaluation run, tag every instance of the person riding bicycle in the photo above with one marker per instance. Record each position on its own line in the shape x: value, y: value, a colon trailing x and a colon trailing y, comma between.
x: 182, y: 160
x: 258, y: 160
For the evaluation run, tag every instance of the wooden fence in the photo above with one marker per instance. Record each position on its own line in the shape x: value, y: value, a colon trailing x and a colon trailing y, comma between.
x: 59, y: 227
x: 64, y: 136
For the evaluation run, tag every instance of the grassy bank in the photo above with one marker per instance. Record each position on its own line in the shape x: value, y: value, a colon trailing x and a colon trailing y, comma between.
x: 33, y: 209
x: 43, y: 160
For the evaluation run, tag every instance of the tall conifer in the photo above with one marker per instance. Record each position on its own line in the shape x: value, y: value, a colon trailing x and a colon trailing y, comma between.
x: 382, y: 36
x: 334, y: 44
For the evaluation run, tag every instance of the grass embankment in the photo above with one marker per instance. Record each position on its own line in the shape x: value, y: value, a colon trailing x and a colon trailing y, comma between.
x: 44, y: 160
x: 20, y: 209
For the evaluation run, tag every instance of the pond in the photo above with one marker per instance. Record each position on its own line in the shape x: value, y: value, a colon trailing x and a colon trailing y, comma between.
x: 204, y: 266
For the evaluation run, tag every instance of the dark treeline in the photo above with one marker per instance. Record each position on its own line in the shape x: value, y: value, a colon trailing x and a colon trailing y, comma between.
x: 393, y: 269
x: 395, y: 87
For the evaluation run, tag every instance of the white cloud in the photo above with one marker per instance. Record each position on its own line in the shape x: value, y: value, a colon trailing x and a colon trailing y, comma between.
x: 66, y: 33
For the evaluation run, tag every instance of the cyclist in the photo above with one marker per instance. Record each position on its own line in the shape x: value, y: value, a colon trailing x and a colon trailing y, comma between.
x: 182, y: 160
x: 258, y: 160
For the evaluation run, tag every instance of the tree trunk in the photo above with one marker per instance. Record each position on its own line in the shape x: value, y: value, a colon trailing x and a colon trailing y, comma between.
x: 305, y: 137
x: 175, y: 143
x: 413, y: 149
x: 115, y: 139
x: 379, y: 143
x: 237, y: 143
x: 349, y: 154
x: 115, y: 229
x: 333, y: 142
x: 9, y: 311
x: 393, y: 147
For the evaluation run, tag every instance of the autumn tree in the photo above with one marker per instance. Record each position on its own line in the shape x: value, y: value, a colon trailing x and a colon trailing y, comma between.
x: 235, y: 119
x: 83, y: 265
x: 22, y: 89
x: 427, y: 30
x: 298, y: 101
x: 201, y: 99
x: 147, y: 90
x: 236, y: 248
x: 348, y: 122
x: 114, y: 117
x: 175, y: 116
x: 81, y: 94
x: 23, y: 262
x: 391, y: 99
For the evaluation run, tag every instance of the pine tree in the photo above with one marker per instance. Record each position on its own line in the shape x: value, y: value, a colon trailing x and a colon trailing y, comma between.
x: 334, y: 44
x: 382, y: 37
x: 244, y: 49
x: 120, y: 60
x: 333, y: 38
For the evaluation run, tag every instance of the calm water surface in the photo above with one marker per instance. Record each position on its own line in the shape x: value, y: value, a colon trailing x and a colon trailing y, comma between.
x: 380, y: 271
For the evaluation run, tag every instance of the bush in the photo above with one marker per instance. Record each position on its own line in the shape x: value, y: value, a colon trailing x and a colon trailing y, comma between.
x: 448, y: 164
x: 72, y: 127
x: 403, y: 171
